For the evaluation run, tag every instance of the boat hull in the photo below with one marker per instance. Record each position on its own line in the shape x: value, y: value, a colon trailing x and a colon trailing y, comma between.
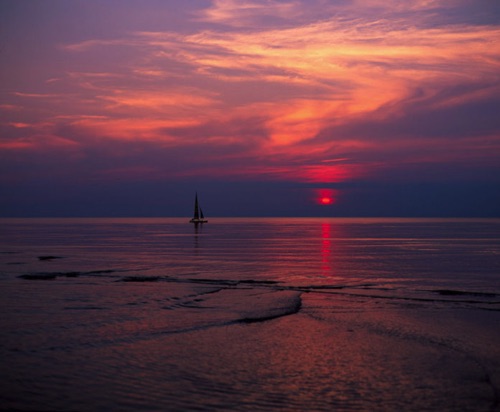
x: 194, y: 220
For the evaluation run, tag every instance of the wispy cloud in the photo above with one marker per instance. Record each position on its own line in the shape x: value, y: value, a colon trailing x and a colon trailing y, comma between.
x: 238, y: 14
x: 275, y: 89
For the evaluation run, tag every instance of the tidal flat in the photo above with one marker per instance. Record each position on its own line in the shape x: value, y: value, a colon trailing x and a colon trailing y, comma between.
x: 318, y: 315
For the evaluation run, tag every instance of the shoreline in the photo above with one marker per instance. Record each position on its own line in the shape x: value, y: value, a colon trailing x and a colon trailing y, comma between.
x: 332, y: 350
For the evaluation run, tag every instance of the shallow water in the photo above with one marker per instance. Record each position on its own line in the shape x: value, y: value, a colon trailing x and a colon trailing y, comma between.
x: 254, y: 314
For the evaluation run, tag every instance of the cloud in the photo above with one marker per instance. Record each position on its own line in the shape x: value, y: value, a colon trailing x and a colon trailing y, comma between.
x: 248, y: 13
x: 271, y: 90
x: 257, y: 14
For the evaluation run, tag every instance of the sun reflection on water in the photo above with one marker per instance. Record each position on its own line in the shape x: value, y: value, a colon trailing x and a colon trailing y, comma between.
x: 326, y: 250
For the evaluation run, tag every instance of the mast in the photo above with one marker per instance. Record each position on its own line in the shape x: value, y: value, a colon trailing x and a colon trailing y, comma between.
x: 196, y: 208
x: 198, y: 214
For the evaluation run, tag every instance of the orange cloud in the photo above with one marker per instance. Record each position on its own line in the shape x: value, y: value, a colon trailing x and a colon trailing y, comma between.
x: 37, y: 142
x: 19, y: 125
x: 291, y: 94
x: 237, y: 13
x: 377, y: 63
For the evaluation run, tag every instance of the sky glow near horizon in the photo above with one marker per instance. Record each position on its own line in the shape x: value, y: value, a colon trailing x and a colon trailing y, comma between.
x: 319, y: 93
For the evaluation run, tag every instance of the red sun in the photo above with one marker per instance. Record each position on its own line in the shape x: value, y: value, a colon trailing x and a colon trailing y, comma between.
x: 325, y: 197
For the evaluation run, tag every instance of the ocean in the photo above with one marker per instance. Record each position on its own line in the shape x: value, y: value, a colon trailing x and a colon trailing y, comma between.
x: 243, y: 314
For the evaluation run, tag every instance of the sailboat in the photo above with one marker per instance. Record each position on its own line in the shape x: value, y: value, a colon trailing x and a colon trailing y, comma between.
x: 198, y: 213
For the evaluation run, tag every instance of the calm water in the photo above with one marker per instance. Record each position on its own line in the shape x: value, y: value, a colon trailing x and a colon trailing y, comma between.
x: 462, y: 254
x: 250, y: 314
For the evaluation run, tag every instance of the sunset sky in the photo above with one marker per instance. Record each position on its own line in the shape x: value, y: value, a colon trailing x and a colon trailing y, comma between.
x: 266, y: 108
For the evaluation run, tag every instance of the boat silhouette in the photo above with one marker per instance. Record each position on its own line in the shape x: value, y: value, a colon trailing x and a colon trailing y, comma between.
x: 198, y: 213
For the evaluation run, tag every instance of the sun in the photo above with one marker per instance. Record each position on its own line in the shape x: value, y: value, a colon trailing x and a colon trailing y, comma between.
x: 325, y: 197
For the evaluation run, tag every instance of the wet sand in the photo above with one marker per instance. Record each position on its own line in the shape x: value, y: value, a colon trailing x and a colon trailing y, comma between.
x: 95, y: 341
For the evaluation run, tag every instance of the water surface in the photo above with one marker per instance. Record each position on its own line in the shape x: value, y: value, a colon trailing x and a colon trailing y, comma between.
x: 250, y: 314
